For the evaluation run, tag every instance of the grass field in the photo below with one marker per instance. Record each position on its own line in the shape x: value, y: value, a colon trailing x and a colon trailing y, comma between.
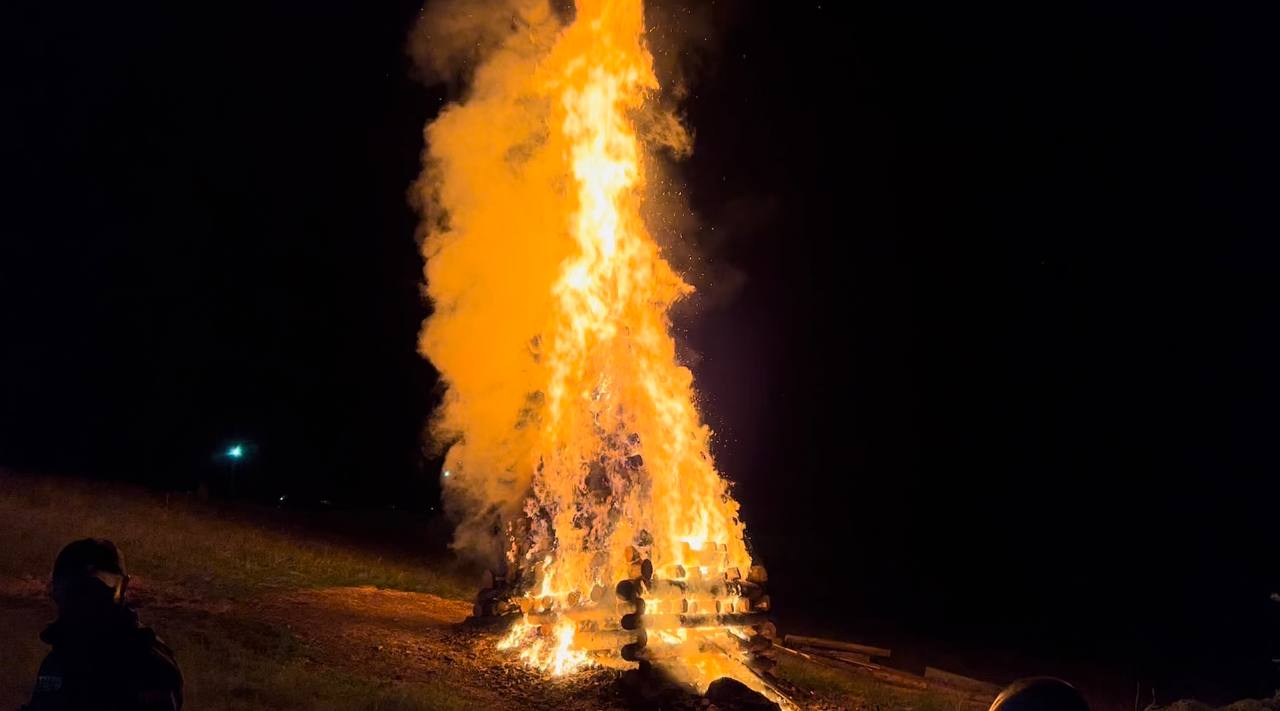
x: 266, y: 612
x: 180, y: 547
x: 210, y: 551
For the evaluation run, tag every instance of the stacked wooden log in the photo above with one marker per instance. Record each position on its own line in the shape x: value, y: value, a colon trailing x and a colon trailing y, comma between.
x: 700, y: 606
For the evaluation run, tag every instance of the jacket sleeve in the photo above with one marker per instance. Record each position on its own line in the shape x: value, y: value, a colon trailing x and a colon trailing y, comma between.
x: 48, y: 688
x: 161, y: 687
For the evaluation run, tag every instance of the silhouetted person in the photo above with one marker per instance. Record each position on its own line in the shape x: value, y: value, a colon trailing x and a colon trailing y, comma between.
x: 102, y: 657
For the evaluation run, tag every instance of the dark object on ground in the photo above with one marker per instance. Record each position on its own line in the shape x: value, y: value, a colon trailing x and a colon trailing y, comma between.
x: 102, y: 657
x: 650, y: 688
x: 1040, y: 694
x: 732, y: 695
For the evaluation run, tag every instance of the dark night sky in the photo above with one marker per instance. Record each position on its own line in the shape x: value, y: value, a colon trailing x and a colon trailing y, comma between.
x: 998, y: 365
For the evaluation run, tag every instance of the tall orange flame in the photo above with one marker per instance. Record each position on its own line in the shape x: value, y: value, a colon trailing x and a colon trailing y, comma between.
x: 576, y: 431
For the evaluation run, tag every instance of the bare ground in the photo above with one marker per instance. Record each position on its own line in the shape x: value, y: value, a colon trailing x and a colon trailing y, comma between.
x: 418, y: 637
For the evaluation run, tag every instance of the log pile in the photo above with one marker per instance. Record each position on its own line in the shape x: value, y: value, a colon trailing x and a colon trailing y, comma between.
x: 701, y: 607
x: 657, y: 616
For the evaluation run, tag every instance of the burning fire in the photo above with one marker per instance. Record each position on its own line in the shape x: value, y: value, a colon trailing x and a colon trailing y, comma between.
x: 576, y: 436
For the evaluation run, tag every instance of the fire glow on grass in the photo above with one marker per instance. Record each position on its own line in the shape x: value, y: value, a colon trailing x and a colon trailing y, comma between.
x: 576, y: 435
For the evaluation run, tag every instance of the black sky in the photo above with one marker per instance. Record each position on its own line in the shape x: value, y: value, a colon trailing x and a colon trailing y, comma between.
x: 996, y: 366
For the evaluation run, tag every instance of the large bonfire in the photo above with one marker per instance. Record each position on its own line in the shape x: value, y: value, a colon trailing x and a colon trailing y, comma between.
x: 578, y: 455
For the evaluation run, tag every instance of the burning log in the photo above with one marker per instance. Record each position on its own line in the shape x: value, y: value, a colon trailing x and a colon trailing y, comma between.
x: 652, y: 652
x: 670, y: 622
x: 629, y: 589
x: 577, y: 614
x: 635, y: 621
x: 675, y: 586
x: 743, y: 588
x: 642, y: 570
x: 710, y: 556
x: 635, y: 651
x: 652, y: 618
x: 700, y: 605
x: 602, y: 640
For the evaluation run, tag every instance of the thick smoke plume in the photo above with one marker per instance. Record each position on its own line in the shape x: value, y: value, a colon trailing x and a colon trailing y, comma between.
x: 494, y: 47
x: 500, y: 194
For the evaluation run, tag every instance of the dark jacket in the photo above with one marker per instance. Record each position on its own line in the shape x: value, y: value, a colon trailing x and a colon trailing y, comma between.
x: 113, y: 664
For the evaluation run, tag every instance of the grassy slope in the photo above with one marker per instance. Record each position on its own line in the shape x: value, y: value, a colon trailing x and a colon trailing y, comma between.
x: 869, y: 694
x: 206, y: 567
x: 230, y: 661
x: 179, y: 541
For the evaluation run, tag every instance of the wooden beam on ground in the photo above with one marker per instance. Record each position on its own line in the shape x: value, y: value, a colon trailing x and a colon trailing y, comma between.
x: 795, y: 640
x: 848, y: 666
x: 848, y: 656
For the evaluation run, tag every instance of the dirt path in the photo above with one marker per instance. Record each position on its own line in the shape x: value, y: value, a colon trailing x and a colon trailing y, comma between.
x: 419, y: 637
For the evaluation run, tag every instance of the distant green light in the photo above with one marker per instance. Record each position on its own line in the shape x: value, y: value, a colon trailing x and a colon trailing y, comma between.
x: 236, y: 451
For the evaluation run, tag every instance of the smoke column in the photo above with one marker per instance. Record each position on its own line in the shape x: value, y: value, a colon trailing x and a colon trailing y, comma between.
x: 571, y: 428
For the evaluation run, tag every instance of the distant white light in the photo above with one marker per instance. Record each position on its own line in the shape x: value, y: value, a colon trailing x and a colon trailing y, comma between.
x: 235, y: 451
x: 447, y: 473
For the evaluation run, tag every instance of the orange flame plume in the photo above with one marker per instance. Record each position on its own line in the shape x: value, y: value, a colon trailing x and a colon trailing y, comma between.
x: 575, y: 430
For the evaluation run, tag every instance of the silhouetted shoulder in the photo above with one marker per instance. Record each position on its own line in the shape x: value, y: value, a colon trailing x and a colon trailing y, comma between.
x: 159, y: 683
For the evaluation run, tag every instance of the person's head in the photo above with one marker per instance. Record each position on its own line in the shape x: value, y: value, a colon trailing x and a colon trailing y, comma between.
x: 88, y: 576
x: 1040, y: 694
